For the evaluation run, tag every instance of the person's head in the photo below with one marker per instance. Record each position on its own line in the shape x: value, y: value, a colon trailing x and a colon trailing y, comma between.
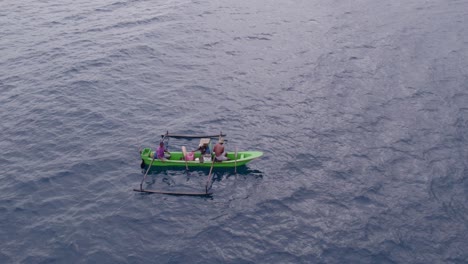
x: 221, y: 141
x: 161, y: 144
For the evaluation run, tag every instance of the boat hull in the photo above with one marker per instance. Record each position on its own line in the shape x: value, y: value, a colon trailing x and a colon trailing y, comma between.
x: 176, y: 159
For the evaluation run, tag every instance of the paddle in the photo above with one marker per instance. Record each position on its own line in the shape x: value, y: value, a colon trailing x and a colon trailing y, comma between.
x: 144, y: 177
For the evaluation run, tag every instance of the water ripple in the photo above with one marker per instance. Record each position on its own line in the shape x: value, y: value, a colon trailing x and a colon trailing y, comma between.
x: 360, y: 110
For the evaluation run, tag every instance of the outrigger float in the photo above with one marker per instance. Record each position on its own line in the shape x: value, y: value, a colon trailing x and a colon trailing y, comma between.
x: 193, y: 160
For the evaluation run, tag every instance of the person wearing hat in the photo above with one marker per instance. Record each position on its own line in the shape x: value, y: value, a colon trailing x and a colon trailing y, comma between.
x: 219, y: 150
x: 204, y: 150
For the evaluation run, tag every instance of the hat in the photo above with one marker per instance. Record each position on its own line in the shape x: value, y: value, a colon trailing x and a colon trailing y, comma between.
x: 204, y: 141
x: 221, y: 140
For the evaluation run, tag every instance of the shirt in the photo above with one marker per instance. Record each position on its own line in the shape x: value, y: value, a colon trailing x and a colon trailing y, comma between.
x: 160, y: 152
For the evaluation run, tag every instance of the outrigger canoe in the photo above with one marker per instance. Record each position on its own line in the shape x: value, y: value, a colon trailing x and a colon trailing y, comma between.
x: 236, y: 158
x: 176, y: 159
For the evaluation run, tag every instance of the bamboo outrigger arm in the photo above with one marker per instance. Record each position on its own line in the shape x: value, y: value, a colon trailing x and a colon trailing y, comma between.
x: 175, y: 192
x: 191, y: 136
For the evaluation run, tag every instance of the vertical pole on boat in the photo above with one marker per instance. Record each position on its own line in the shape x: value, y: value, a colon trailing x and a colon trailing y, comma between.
x: 144, y: 177
x: 184, y: 153
x: 209, y: 175
x: 235, y: 162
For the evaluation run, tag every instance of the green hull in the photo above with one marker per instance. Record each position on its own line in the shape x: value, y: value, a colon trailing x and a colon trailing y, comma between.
x: 243, y: 157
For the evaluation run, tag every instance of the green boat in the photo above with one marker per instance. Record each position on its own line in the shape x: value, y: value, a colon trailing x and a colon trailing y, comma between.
x: 177, y: 158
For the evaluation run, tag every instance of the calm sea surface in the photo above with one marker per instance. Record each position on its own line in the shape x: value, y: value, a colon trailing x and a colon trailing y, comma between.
x: 360, y: 108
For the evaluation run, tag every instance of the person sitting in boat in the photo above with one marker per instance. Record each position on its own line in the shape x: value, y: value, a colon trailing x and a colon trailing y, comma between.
x: 161, y: 152
x: 218, y: 149
x: 204, y: 151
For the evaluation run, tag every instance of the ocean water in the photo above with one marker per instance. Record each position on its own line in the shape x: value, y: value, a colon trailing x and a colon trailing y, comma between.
x: 360, y: 108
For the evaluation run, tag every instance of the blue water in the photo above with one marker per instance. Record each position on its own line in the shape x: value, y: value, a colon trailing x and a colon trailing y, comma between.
x: 360, y: 108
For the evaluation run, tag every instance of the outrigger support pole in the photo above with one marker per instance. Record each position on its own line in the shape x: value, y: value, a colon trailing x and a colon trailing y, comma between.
x: 151, y: 164
x: 209, y: 175
x: 208, y: 181
x: 144, y: 177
